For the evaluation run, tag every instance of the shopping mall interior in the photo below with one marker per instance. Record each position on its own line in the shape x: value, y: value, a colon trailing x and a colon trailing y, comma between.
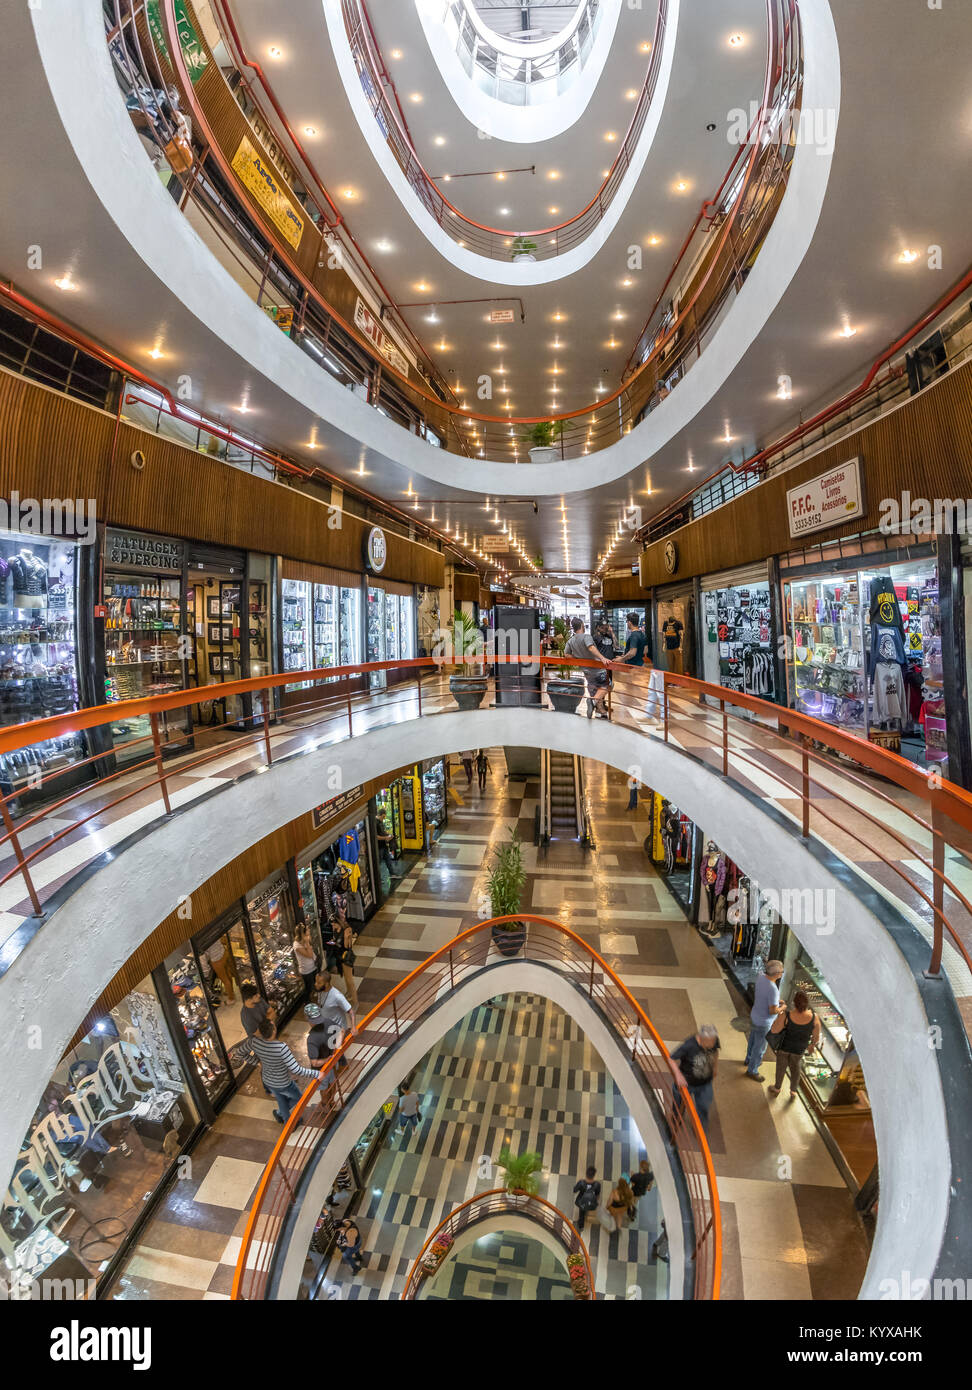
x: 560, y: 886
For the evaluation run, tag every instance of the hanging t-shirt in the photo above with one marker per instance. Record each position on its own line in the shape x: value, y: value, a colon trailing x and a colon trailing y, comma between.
x: 349, y: 847
x: 885, y: 610
x: 672, y: 630
x: 889, y: 692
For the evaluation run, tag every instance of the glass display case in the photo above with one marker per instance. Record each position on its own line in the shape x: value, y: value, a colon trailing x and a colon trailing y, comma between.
x: 832, y: 1070
x: 196, y: 1016
x: 308, y: 903
x: 143, y: 633
x: 38, y: 656
x: 271, y: 917
x: 406, y: 627
x: 368, y: 1146
x: 376, y: 636
x: 326, y: 623
x: 826, y: 659
x: 234, y: 965
x: 392, y: 627
x: 296, y: 628
x: 349, y: 632
x: 433, y: 799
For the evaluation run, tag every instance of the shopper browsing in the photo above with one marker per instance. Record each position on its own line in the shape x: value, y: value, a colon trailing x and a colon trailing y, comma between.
x: 409, y: 1111
x: 466, y: 759
x: 587, y: 1195
x: 641, y: 1182
x: 306, y: 958
x: 800, y: 1028
x: 482, y: 767
x: 349, y: 1243
x: 255, y: 1009
x: 634, y: 647
x: 280, y: 1069
x: 766, y: 1007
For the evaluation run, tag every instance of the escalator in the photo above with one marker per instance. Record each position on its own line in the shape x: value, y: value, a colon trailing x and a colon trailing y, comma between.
x: 562, y: 813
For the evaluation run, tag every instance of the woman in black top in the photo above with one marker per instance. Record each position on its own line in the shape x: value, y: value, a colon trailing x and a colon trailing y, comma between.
x: 800, y: 1027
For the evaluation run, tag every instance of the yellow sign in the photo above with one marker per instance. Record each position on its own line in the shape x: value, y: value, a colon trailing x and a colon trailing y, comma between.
x: 263, y: 182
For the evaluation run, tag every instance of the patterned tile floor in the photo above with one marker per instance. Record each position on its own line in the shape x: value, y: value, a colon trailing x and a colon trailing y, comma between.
x: 794, y: 1236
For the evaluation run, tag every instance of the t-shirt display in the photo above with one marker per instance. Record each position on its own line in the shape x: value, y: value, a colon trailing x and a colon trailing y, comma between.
x: 672, y: 629
x: 739, y: 625
x: 38, y: 659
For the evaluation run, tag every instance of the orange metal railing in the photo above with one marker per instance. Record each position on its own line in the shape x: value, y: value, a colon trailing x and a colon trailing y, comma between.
x: 485, y: 1206
x: 557, y: 948
x: 837, y: 788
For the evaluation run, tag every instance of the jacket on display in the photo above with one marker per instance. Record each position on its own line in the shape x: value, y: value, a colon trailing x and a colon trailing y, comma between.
x: 29, y: 575
x: 886, y: 645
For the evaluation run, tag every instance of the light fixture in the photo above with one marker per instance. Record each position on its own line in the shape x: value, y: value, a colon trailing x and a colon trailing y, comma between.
x: 309, y: 130
x: 421, y: 287
x: 610, y: 136
x: 415, y: 97
x: 907, y: 257
x: 644, y: 47
x: 275, y: 52
x: 553, y: 173
x: 65, y: 282
x: 504, y: 212
x: 681, y: 186
x: 349, y: 193
x: 654, y: 240
x: 847, y: 331
x: 395, y: 53
x: 784, y: 390
x: 439, y: 140
x: 432, y: 316
x: 156, y: 353
x: 553, y: 211
x: 736, y: 40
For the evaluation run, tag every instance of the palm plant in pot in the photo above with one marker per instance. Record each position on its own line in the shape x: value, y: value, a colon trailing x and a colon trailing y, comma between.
x: 520, y: 1171
x: 523, y: 249
x: 506, y: 881
x: 564, y: 688
x: 469, y: 685
x: 541, y: 440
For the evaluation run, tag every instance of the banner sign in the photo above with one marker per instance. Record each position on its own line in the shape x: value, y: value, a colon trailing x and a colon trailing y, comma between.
x: 828, y: 500
x: 330, y: 810
x: 365, y: 320
x: 262, y: 182
x: 193, y: 52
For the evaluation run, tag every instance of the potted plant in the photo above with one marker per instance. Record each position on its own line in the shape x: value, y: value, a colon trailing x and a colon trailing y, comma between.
x: 522, y: 249
x: 565, y: 689
x: 436, y: 1252
x: 468, y: 689
x: 520, y: 1171
x: 542, y: 440
x: 505, y: 887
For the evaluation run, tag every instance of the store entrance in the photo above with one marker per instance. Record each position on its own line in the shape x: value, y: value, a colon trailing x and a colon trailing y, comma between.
x: 226, y: 965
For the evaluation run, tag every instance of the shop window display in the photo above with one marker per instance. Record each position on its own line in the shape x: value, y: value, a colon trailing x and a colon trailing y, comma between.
x: 434, y: 798
x: 111, y: 1123
x: 832, y: 1069
x: 738, y: 633
x: 271, y: 917
x: 38, y: 656
x: 195, y: 1014
x: 226, y: 966
x: 296, y: 628
x: 672, y: 840
x: 349, y: 635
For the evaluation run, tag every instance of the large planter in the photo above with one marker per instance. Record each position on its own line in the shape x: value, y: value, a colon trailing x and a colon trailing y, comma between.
x: 468, y: 691
x: 564, y: 692
x: 545, y: 453
x: 509, y: 938
x: 523, y: 256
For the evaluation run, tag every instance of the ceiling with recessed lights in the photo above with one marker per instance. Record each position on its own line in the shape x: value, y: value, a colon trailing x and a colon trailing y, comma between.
x: 893, y: 194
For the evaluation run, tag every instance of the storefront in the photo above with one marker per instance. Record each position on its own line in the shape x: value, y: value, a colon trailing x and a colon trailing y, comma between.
x: 428, y: 619
x: 673, y: 636
x: 107, y: 1134
x: 864, y: 648
x: 399, y: 806
x: 349, y: 1188
x: 390, y: 627
x: 320, y: 618
x: 40, y: 579
x: 739, y: 632
x: 672, y: 843
x: 434, y: 800
x: 616, y: 616
x: 346, y: 843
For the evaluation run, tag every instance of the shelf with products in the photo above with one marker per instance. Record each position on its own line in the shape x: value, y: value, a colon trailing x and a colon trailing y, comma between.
x: 831, y: 1069
x: 369, y: 1144
x: 197, y: 1021
x: 349, y: 626
x: 272, y: 925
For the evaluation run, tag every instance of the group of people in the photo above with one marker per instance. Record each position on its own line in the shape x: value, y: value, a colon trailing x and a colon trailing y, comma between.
x: 621, y: 1207
x: 482, y: 764
x: 601, y: 646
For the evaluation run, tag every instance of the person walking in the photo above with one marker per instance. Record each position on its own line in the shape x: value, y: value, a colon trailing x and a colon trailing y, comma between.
x: 641, y: 1182
x: 587, y: 1195
x: 348, y: 1239
x: 306, y: 958
x: 581, y: 647
x: 222, y: 963
x: 348, y: 958
x: 766, y: 1007
x: 482, y: 767
x: 466, y: 759
x: 386, y: 845
x: 620, y: 1202
x: 280, y: 1069
x: 659, y: 1250
x: 694, y: 1065
x: 409, y: 1111
x: 800, y: 1027
x: 633, y: 785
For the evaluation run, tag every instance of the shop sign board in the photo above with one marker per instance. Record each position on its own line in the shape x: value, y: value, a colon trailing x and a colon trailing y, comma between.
x: 262, y: 182
x: 130, y: 550
x: 827, y: 500
x: 367, y: 323
x: 276, y: 889
x: 495, y: 544
x: 193, y: 52
x: 501, y: 316
x: 330, y: 810
x: 376, y: 550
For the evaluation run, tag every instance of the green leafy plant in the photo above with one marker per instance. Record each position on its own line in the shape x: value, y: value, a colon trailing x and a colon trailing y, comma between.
x: 465, y: 635
x: 507, y: 878
x: 520, y: 1171
x: 561, y: 636
x: 543, y: 434
x: 522, y: 246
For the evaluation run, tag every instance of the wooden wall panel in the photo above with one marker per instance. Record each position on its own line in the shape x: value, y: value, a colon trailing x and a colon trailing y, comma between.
x: 466, y: 587
x: 924, y: 447
x: 623, y: 589
x: 53, y: 446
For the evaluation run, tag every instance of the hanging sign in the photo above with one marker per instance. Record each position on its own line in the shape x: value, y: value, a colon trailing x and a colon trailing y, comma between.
x: 193, y: 52
x: 130, y: 550
x: 330, y: 810
x: 501, y: 316
x: 262, y: 181
x: 376, y: 550
x: 825, y: 501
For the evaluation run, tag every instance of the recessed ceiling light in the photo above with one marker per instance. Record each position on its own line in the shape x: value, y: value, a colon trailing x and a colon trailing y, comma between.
x: 65, y: 282
x: 383, y: 245
x: 907, y: 257
x: 681, y: 186
x: 553, y: 211
x: 421, y: 287
x: 644, y: 47
x: 559, y: 317
x: 736, y: 40
x: 610, y: 135
x: 156, y: 353
x: 553, y: 173
x: 275, y: 52
x: 439, y: 140
x: 309, y: 130
x: 504, y: 212
x: 416, y: 97
x: 395, y: 53
x: 349, y: 193
x: 501, y: 176
x: 847, y: 331
x: 627, y: 284
x: 654, y: 240
x: 632, y: 94
x: 446, y: 178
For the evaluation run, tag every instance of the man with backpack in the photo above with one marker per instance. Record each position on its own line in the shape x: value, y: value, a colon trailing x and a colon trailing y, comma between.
x: 588, y: 1195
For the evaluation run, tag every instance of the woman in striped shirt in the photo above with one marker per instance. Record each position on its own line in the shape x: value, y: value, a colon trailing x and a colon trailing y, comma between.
x: 280, y: 1069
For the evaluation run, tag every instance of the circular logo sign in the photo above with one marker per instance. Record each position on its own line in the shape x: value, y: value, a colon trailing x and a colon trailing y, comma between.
x: 376, y: 549
x: 671, y: 556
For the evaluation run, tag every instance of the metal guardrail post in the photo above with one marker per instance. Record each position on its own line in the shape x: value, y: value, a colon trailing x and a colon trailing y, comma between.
x: 725, y: 739
x: 15, y: 843
x: 805, y: 793
x: 266, y: 732
x: 157, y: 745
x: 938, y: 892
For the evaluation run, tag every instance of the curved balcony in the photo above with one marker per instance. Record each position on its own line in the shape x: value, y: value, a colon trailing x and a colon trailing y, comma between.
x: 710, y: 272
x: 111, y: 861
x: 498, y: 1207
